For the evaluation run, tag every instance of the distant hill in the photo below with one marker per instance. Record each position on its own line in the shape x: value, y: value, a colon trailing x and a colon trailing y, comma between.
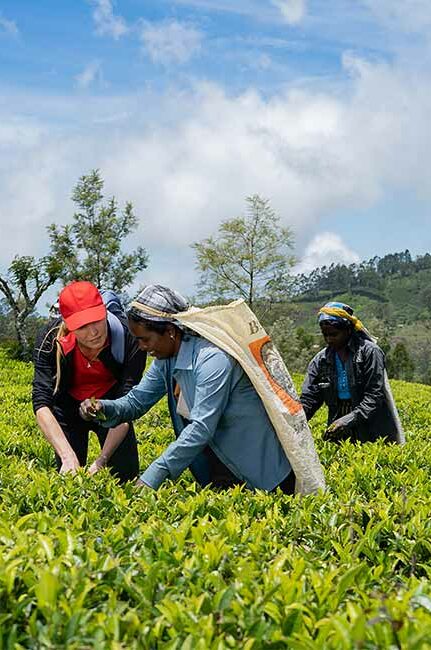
x: 391, y: 295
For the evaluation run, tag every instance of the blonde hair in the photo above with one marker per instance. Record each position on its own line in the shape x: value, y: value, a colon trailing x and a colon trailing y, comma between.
x: 61, y: 331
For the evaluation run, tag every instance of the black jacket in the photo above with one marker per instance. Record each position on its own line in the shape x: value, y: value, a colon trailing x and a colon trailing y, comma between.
x: 127, y: 374
x: 365, y: 370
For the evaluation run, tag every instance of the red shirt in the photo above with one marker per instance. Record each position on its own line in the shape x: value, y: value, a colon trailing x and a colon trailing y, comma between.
x: 89, y: 378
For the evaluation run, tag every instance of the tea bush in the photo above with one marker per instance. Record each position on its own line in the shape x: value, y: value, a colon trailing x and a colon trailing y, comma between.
x: 87, y: 564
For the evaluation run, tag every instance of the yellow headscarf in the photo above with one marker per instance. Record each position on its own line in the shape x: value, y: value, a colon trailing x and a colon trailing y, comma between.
x: 342, y: 313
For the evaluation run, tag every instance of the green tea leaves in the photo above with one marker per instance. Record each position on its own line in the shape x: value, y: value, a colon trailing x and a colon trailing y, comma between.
x: 87, y: 564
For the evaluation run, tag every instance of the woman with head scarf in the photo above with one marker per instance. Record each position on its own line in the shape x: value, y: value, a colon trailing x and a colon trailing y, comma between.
x: 86, y: 352
x: 223, y: 433
x: 349, y: 376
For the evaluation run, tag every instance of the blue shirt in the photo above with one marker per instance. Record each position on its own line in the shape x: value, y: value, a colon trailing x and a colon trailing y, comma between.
x: 226, y: 413
x: 343, y: 388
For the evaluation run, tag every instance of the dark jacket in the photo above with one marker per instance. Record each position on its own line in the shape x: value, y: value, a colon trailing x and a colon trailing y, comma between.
x: 365, y: 370
x: 127, y: 374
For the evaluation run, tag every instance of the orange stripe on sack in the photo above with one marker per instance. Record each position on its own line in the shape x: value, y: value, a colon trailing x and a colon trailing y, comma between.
x: 292, y: 405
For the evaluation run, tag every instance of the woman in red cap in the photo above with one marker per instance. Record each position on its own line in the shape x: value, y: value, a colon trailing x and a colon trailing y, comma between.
x: 89, y: 352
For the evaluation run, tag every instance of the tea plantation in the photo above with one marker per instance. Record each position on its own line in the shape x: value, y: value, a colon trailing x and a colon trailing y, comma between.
x: 86, y: 564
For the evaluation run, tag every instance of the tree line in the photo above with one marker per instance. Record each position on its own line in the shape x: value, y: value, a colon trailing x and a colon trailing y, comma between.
x: 250, y: 257
x: 369, y: 275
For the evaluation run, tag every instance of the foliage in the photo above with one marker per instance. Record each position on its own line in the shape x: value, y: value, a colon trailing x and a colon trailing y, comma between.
x: 296, y: 346
x: 86, y: 564
x: 26, y: 281
x: 249, y: 257
x: 399, y: 363
x: 367, y: 277
x: 90, y: 247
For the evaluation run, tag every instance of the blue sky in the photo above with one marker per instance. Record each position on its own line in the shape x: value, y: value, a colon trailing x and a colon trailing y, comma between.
x: 188, y: 106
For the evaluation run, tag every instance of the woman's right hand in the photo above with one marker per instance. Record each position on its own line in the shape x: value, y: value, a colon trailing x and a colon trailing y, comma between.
x: 91, y: 409
x: 69, y: 464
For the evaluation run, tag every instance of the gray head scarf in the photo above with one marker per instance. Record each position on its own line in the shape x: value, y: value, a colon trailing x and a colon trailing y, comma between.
x: 160, y: 298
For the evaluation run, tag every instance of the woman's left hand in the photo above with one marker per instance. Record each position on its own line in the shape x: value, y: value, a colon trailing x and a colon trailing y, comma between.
x: 98, y: 464
x: 91, y: 409
x: 340, y: 425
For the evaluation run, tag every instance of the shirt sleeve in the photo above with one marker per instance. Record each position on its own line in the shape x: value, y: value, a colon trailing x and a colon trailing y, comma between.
x: 139, y: 400
x: 213, y: 376
x: 374, y: 394
x: 44, y: 367
x: 311, y: 396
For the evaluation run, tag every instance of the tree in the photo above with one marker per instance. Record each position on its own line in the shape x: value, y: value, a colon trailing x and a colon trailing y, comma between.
x: 26, y: 281
x: 399, y: 363
x: 249, y: 257
x: 296, y: 346
x: 90, y: 248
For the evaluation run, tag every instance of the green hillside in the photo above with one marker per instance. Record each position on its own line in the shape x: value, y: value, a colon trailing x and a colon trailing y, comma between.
x: 397, y: 311
x: 86, y: 564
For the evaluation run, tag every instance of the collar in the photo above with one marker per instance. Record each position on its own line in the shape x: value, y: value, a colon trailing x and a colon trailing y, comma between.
x: 184, y: 360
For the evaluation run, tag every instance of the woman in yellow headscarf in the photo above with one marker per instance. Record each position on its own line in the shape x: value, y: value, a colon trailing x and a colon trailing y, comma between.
x: 349, y: 376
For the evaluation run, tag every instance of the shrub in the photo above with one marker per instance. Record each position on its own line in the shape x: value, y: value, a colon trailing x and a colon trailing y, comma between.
x: 87, y: 564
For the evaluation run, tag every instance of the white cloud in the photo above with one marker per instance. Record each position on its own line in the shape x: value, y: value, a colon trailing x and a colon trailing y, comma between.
x: 187, y: 160
x: 91, y: 73
x: 325, y: 249
x: 292, y: 11
x: 8, y: 26
x: 107, y: 24
x: 170, y: 41
x: 405, y: 15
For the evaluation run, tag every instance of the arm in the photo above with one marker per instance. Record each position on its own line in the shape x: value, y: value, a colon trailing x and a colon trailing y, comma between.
x: 212, y: 393
x: 374, y: 391
x: 55, y: 436
x: 43, y: 396
x: 138, y: 401
x: 114, y: 438
x: 374, y: 369
x: 44, y: 356
x: 312, y: 395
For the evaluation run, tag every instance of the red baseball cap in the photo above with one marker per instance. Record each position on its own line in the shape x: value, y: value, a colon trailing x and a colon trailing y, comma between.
x: 80, y: 303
